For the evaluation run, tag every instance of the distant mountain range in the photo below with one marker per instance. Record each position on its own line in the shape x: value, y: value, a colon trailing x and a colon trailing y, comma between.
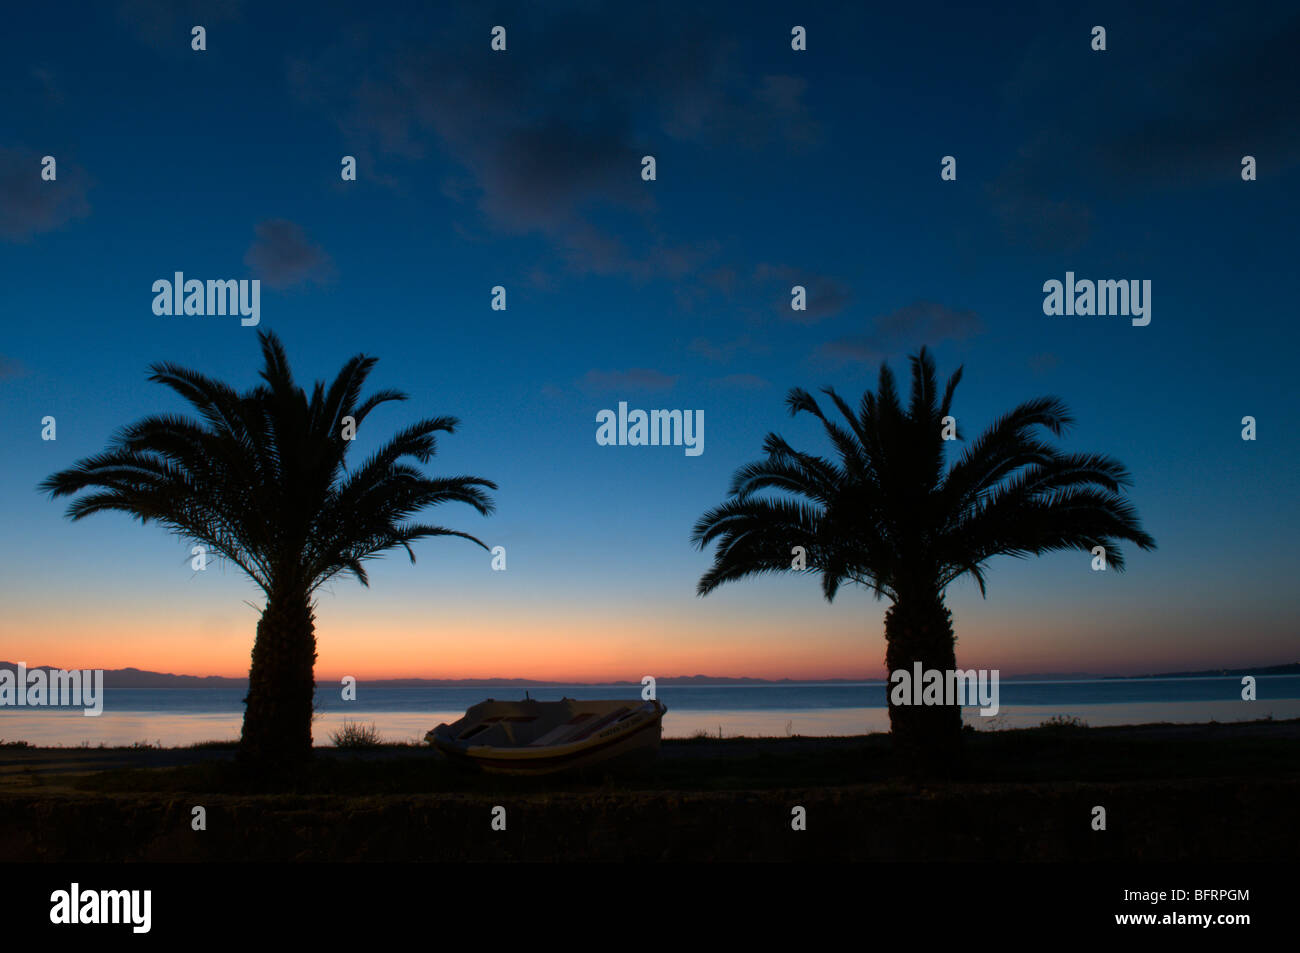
x: 1291, y: 668
x: 137, y: 678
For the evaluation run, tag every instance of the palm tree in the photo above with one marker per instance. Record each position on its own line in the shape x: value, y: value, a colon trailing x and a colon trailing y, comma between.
x: 887, y: 514
x: 261, y: 480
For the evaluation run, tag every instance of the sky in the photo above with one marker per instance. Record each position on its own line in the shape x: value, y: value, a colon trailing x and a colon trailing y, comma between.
x: 774, y: 167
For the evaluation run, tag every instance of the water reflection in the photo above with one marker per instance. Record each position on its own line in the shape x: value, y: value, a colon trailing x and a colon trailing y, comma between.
x: 54, y: 728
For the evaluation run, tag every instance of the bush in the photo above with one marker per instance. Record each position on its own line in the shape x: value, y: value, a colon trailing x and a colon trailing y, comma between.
x: 1063, y: 722
x: 356, y: 735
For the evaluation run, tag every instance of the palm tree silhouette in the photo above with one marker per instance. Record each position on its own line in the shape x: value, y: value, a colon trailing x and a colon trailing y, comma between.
x: 261, y: 479
x: 888, y: 515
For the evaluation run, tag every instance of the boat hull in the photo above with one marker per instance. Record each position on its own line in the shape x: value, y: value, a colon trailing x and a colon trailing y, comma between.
x: 532, y: 737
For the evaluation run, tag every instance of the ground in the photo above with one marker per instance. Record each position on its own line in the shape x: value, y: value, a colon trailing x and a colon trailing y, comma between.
x: 1170, y: 792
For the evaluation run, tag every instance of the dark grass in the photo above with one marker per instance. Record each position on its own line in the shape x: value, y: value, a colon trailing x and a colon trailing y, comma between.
x: 1050, y: 754
x: 1172, y: 793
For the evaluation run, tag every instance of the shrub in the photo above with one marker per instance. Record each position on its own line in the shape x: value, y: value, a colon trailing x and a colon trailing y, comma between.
x: 1063, y: 722
x: 356, y: 735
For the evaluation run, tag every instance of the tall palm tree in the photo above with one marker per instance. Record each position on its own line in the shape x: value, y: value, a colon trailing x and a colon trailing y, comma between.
x: 887, y: 514
x: 261, y: 479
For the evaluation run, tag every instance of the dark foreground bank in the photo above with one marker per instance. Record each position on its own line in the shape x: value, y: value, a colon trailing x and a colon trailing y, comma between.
x: 1169, y: 792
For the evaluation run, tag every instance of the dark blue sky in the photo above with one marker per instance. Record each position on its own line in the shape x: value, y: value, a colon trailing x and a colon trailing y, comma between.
x: 775, y: 168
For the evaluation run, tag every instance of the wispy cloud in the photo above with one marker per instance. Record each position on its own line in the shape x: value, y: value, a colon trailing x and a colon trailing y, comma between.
x: 741, y: 382
x: 723, y: 352
x: 164, y: 25
x: 30, y: 205
x: 1144, y: 115
x: 10, y: 368
x: 824, y: 296
x: 282, y: 256
x: 1213, y: 107
x: 528, y: 160
x: 922, y: 322
x: 46, y: 84
x: 1043, y: 362
x: 635, y: 379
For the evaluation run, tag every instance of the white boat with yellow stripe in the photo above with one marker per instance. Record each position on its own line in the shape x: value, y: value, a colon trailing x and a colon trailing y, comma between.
x: 535, y: 737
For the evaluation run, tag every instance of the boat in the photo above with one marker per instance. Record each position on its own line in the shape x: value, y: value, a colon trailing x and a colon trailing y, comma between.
x: 534, y: 737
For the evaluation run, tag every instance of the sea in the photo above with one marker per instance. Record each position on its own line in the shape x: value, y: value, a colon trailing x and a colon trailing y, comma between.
x: 172, y: 717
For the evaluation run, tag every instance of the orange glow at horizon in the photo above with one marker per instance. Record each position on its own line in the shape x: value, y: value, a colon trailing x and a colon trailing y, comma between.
x: 545, y: 638
x: 591, y: 646
x: 589, y: 650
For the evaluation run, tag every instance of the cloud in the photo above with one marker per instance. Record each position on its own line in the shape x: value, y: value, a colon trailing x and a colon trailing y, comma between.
x: 742, y: 382
x: 10, y: 368
x: 707, y: 286
x: 282, y: 256
x: 30, y: 205
x: 548, y: 137
x: 1043, y: 362
x: 1144, y: 115
x: 637, y: 378
x: 44, y: 80
x: 1036, y: 219
x: 922, y: 322
x: 726, y: 107
x: 722, y: 352
x: 825, y: 296
x: 1229, y: 93
x: 165, y: 25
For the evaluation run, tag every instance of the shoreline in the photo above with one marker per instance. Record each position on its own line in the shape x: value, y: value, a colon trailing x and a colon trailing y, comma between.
x: 1256, y: 727
x: 72, y: 729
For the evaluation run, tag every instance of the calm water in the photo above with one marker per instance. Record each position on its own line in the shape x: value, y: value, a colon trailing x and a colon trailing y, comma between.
x: 184, y: 716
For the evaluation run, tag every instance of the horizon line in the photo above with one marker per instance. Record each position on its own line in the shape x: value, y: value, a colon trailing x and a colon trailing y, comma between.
x: 501, y: 679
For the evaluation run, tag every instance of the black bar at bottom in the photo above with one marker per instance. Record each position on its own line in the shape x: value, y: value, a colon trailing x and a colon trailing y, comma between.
x: 190, y: 902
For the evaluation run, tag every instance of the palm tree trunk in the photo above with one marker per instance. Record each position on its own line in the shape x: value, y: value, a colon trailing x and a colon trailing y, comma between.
x: 928, y: 738
x: 281, y: 683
